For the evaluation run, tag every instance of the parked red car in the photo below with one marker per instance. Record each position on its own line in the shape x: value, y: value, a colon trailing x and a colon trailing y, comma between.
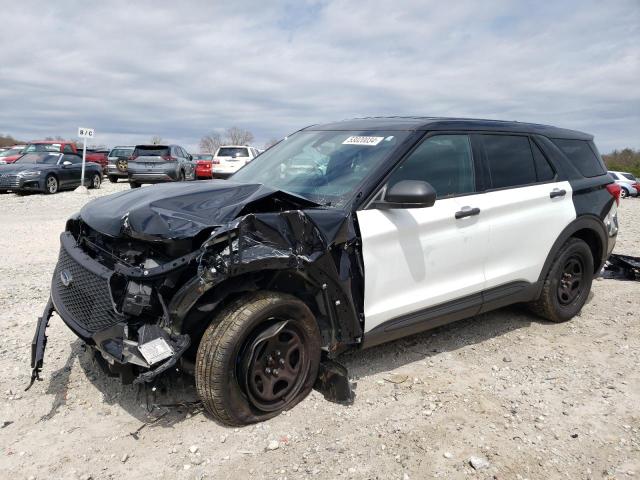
x: 12, y: 154
x: 203, y: 165
x: 98, y: 156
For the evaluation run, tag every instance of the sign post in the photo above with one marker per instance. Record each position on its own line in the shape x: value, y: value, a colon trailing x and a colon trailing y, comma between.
x: 84, y: 133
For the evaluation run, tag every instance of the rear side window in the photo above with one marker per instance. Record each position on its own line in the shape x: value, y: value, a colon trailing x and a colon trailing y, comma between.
x: 510, y: 160
x: 581, y: 156
x: 151, y: 151
x: 444, y: 161
x: 544, y: 171
x: 628, y: 176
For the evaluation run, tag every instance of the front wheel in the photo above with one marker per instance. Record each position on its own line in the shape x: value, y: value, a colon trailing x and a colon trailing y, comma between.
x: 258, y: 357
x: 568, y: 283
x: 51, y: 185
x: 624, y: 193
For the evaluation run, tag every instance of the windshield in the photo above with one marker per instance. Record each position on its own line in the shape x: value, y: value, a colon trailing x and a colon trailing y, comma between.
x: 325, y: 167
x: 48, y: 158
x: 121, y: 152
x: 42, y: 147
x: 203, y: 157
x: 11, y: 151
x: 232, y: 152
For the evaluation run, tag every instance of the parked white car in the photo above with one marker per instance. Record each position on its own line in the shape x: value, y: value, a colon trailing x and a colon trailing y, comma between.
x: 628, y: 183
x: 230, y: 158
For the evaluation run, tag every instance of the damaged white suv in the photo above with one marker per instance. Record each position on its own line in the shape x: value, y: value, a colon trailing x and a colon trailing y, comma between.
x: 340, y: 237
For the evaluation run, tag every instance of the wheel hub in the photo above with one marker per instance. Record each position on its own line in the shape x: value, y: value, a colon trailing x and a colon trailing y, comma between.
x: 274, y: 366
x: 570, y: 284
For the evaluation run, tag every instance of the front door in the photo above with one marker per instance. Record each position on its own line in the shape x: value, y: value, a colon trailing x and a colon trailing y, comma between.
x: 419, y: 258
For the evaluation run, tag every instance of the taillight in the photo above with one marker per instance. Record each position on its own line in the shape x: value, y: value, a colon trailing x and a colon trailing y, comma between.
x: 614, y: 190
x: 133, y: 157
x: 216, y: 161
x: 168, y: 158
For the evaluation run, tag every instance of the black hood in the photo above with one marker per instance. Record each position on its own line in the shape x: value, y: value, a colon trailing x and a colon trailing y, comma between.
x: 13, y: 168
x: 182, y: 210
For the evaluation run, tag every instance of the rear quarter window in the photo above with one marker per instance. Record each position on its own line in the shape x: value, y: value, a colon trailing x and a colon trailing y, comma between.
x: 581, y: 155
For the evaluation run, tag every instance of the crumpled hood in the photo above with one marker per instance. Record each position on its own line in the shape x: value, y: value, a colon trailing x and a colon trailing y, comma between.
x: 182, y: 210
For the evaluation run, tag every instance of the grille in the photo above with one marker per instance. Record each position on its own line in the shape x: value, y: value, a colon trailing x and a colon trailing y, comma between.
x: 86, y: 300
x: 8, y: 181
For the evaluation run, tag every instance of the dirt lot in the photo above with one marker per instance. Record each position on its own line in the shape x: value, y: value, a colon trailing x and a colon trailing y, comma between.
x: 529, y: 399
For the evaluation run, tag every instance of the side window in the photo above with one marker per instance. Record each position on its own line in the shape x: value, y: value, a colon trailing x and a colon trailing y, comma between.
x: 581, y: 156
x: 614, y: 175
x: 75, y: 159
x: 509, y: 159
x: 544, y: 171
x: 445, y: 161
x: 67, y: 149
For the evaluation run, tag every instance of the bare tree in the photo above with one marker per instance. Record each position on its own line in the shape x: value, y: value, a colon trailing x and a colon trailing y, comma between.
x: 271, y: 142
x: 156, y: 140
x: 210, y: 143
x: 238, y: 136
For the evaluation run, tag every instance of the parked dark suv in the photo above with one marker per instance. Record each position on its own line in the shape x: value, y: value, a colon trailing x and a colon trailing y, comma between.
x: 257, y: 283
x: 159, y: 163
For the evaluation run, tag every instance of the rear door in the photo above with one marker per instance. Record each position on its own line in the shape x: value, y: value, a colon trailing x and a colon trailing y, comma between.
x: 419, y: 258
x: 525, y: 205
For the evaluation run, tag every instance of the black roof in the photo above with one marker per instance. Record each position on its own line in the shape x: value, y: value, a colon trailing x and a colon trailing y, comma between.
x: 445, y: 123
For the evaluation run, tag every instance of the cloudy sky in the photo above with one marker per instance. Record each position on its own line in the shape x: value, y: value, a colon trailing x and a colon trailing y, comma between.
x: 179, y: 70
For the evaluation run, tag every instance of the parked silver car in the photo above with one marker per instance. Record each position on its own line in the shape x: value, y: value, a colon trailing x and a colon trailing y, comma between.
x: 160, y: 163
x: 628, y: 183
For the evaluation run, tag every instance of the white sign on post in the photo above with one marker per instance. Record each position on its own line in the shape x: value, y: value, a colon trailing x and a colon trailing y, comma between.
x: 84, y: 133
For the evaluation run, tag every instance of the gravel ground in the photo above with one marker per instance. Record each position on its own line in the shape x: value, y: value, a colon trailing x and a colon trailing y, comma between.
x: 503, y: 395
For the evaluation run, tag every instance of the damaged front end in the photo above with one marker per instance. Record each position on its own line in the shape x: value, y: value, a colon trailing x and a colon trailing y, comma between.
x: 142, y: 294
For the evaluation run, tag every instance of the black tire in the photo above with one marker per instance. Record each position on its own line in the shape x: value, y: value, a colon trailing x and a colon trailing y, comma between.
x: 113, y: 179
x: 181, y: 177
x: 96, y: 181
x: 624, y: 193
x: 134, y: 185
x: 568, y: 283
x: 51, y: 185
x: 230, y: 377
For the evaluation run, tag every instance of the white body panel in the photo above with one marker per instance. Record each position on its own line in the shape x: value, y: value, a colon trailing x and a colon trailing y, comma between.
x: 420, y: 257
x: 523, y: 225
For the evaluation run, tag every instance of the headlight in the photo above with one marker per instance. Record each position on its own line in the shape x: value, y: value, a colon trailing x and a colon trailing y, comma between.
x: 29, y: 174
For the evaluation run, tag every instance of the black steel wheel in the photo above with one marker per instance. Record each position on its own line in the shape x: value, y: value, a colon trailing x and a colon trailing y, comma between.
x: 567, y: 284
x: 259, y: 356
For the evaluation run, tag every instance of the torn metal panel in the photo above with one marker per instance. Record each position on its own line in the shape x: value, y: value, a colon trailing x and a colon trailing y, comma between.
x: 622, y: 267
x: 156, y: 262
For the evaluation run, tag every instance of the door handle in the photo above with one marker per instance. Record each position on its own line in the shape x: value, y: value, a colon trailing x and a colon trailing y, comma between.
x: 467, y: 212
x: 556, y: 192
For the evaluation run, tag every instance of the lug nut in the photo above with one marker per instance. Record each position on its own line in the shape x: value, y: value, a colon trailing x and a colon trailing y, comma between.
x: 267, y: 370
x: 276, y: 372
x: 277, y: 353
x: 281, y: 361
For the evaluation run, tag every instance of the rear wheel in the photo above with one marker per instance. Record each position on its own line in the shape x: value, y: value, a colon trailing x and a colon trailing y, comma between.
x: 51, y: 184
x: 624, y: 193
x: 568, y: 283
x: 260, y: 356
x: 134, y: 184
x: 113, y: 179
x: 96, y: 181
x: 181, y: 177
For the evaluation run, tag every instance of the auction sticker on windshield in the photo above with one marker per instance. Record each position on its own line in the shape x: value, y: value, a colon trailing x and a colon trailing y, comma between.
x: 370, y: 141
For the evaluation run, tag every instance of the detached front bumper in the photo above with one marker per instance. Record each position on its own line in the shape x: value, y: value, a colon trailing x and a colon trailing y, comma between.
x: 82, y: 294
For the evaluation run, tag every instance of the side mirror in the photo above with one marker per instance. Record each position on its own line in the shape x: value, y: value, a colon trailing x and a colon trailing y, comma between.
x: 408, y: 194
x: 66, y: 163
